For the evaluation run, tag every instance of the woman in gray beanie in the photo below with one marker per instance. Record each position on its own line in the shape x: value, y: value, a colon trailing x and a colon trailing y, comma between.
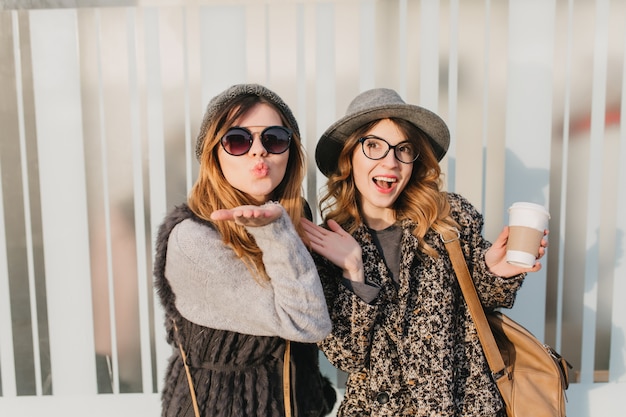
x: 400, y: 326
x: 242, y: 298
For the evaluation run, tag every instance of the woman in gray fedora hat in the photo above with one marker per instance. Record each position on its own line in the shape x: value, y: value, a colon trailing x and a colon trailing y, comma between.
x: 242, y: 298
x: 401, y: 329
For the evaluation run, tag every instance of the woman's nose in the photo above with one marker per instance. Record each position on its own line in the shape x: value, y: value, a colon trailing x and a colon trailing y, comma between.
x: 390, y: 159
x: 257, y: 147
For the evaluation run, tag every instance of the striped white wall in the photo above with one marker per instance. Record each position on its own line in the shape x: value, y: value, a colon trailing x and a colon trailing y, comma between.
x: 101, y: 105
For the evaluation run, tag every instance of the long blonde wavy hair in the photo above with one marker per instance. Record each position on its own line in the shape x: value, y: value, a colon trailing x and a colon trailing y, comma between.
x: 213, y: 192
x: 422, y: 200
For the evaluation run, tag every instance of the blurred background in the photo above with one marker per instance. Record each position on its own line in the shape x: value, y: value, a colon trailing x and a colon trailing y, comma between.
x: 101, y: 101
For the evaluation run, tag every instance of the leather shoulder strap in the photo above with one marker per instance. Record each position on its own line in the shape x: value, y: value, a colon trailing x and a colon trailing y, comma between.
x: 451, y: 239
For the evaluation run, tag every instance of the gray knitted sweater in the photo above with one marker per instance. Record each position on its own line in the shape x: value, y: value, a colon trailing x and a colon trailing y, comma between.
x: 215, y: 289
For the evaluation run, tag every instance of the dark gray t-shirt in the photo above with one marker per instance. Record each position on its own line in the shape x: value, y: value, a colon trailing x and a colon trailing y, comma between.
x: 388, y: 243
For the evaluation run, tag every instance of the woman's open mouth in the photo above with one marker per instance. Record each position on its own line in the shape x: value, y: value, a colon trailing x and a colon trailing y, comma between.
x: 385, y: 183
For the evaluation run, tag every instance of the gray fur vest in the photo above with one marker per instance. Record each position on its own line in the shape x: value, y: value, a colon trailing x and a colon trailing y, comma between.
x: 234, y: 374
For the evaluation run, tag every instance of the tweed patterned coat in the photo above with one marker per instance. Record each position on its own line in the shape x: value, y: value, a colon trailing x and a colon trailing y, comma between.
x: 414, y: 350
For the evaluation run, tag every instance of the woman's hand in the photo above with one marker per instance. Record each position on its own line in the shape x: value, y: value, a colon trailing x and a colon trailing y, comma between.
x: 337, y: 246
x: 249, y: 215
x: 495, y: 258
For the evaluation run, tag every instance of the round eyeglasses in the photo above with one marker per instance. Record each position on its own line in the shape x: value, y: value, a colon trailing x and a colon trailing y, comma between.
x: 238, y: 140
x: 377, y: 148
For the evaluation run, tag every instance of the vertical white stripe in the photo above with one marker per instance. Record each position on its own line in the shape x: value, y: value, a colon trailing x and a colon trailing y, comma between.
x: 402, y: 48
x: 617, y: 363
x: 594, y: 203
x: 325, y: 86
x: 325, y: 63
x: 106, y: 207
x: 138, y: 193
x: 189, y: 144
x: 156, y: 158
x: 32, y: 287
x: 7, y: 354
x: 453, y: 92
x: 529, y: 128
x: 367, y: 45
x: 429, y: 58
x: 485, y: 110
x: 267, y: 45
x: 529, y: 86
x: 154, y: 121
x: 193, y: 73
x: 308, y: 141
x: 564, y: 175
x: 223, y: 57
x: 56, y: 81
x: 492, y: 116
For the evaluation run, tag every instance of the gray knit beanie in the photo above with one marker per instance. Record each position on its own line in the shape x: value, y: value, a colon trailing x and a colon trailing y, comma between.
x: 233, y: 92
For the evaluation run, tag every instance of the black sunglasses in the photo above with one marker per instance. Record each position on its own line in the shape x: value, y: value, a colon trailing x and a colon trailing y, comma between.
x: 238, y: 140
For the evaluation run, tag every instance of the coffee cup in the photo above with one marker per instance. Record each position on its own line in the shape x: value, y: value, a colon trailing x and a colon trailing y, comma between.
x: 527, y: 222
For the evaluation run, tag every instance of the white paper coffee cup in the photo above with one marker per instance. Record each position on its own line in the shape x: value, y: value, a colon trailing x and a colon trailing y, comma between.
x: 527, y: 221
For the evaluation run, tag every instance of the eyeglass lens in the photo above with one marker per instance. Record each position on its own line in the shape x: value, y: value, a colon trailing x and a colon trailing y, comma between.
x: 377, y: 148
x: 238, y: 140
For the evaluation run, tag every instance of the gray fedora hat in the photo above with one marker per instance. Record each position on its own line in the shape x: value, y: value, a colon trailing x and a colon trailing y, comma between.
x: 378, y: 103
x: 226, y: 96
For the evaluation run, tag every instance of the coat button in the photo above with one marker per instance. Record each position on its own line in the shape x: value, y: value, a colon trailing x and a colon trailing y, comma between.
x: 382, y: 397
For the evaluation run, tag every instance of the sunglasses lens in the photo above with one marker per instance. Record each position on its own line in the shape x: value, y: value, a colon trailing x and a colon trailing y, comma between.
x: 237, y: 141
x: 276, y: 139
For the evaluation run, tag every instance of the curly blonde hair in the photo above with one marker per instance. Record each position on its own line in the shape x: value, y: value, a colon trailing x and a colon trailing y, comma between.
x: 213, y: 192
x: 422, y: 200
